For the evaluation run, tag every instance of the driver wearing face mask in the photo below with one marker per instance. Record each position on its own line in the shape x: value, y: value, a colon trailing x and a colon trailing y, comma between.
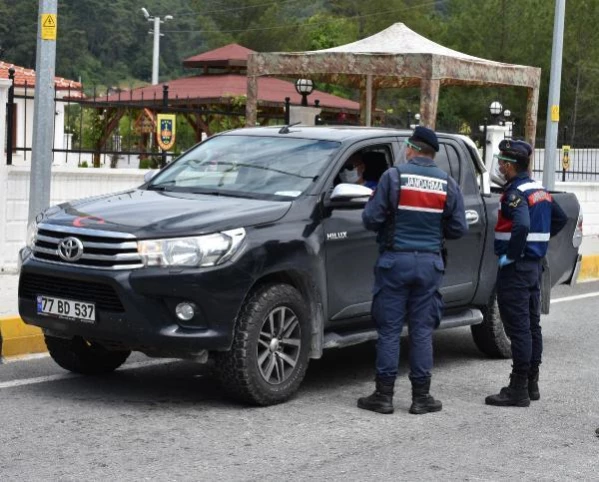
x: 353, y: 170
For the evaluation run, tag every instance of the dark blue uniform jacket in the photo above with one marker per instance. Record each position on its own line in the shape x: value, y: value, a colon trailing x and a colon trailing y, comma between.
x: 386, y: 200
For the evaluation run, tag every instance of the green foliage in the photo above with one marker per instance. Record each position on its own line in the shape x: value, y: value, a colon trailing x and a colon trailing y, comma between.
x: 149, y: 163
x: 107, y: 44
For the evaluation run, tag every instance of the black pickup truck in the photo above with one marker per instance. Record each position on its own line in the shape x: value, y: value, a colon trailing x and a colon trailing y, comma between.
x: 249, y: 250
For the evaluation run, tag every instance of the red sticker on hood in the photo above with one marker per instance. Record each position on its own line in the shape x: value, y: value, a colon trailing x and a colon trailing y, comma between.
x: 83, y: 221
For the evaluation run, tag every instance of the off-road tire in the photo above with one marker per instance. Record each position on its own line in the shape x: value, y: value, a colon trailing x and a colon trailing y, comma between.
x: 238, y: 369
x: 489, y: 336
x: 80, y: 356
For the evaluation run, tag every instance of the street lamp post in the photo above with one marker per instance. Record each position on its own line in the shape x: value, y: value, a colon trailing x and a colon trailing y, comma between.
x: 304, y: 87
x: 156, y: 52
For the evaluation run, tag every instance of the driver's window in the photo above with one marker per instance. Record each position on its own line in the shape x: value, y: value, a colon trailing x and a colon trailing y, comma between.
x: 365, y: 166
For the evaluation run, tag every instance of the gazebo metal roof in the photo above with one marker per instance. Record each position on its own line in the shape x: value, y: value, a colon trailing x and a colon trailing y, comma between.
x: 396, y: 57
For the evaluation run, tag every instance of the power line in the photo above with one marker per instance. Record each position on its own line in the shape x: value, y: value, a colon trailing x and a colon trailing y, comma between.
x: 385, y: 12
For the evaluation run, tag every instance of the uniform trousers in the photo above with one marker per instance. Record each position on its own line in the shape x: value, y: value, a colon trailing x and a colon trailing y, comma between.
x: 406, y: 290
x: 519, y: 300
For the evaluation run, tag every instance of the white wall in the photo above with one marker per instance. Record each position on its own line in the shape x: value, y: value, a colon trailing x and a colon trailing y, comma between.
x: 588, y: 197
x: 66, y: 185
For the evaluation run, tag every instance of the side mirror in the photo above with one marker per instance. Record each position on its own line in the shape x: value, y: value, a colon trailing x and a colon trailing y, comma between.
x: 150, y: 174
x: 351, y: 193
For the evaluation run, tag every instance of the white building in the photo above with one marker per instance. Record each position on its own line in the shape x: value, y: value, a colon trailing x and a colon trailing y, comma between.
x: 22, y: 134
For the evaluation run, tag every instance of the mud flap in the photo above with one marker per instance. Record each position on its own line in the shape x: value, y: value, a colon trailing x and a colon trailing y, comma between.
x: 545, y: 288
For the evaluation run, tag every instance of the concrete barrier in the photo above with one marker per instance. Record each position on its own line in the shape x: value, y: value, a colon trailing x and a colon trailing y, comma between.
x: 18, y: 339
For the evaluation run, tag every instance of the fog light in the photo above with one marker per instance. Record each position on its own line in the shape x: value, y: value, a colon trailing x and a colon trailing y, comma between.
x: 185, y: 311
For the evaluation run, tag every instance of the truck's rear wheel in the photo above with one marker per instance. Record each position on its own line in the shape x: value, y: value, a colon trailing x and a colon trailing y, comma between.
x: 269, y: 356
x: 80, y: 356
x: 489, y: 336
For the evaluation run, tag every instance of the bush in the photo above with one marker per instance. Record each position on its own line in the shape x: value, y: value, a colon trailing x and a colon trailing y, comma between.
x: 149, y: 163
x: 83, y: 164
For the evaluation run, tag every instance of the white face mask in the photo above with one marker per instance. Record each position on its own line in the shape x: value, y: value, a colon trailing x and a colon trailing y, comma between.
x: 497, y: 176
x: 350, y: 177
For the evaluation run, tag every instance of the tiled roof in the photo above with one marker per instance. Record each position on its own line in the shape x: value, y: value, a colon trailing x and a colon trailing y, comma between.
x: 25, y: 76
x: 232, y: 54
x: 206, y: 89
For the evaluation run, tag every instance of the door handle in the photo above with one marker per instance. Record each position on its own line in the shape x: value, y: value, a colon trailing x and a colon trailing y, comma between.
x: 472, y: 216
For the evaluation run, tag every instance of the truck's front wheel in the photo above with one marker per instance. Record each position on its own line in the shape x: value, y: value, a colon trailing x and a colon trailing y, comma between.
x: 489, y: 336
x: 269, y: 356
x: 80, y: 356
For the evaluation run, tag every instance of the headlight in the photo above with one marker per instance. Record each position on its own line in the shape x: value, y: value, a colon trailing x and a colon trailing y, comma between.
x: 31, y: 234
x: 200, y: 251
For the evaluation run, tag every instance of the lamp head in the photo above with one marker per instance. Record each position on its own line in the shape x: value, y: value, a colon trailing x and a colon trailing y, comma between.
x: 495, y: 108
x: 304, y: 86
x: 145, y: 12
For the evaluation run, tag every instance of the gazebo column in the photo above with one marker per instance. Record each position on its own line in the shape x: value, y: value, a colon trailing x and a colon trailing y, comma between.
x: 367, y: 102
x: 532, y: 105
x: 429, y: 99
x: 251, y: 103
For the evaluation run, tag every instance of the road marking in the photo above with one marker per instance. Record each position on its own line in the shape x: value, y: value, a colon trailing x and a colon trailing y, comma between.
x: 66, y: 376
x: 577, y: 297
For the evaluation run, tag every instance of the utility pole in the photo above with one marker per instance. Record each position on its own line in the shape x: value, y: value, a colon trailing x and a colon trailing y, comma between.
x: 551, y: 130
x: 43, y: 109
x: 156, y: 51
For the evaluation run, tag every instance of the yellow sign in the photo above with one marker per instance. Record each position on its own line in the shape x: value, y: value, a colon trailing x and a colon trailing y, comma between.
x: 555, y: 113
x: 165, y: 130
x: 49, y: 26
x: 566, y: 157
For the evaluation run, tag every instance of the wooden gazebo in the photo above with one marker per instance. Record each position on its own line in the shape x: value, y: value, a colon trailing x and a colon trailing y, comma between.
x: 396, y: 57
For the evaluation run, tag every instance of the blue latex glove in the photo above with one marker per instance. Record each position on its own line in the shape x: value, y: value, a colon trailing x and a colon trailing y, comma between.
x: 504, y: 261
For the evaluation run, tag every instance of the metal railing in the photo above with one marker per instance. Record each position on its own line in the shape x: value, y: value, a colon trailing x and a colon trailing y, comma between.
x: 105, y: 128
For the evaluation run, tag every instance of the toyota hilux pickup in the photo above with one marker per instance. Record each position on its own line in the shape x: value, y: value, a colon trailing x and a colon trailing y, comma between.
x: 249, y: 250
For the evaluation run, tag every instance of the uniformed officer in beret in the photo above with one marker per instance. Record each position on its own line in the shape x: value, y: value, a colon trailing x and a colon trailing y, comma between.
x: 528, y: 216
x: 414, y: 207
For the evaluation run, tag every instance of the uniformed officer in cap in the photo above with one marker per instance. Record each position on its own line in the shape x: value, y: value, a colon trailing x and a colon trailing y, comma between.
x: 414, y: 207
x: 527, y: 218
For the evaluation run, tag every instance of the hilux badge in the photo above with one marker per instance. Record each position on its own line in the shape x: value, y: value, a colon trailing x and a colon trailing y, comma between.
x: 335, y: 236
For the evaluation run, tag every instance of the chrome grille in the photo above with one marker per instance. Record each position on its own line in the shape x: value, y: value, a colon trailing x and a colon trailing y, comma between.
x: 101, y: 249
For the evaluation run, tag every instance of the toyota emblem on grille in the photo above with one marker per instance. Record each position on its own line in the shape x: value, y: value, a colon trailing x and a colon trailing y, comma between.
x: 70, y: 249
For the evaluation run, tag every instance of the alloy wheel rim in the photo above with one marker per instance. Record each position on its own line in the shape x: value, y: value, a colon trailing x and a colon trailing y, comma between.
x: 279, y: 345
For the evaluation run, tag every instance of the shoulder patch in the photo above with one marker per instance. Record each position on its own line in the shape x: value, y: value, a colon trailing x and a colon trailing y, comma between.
x: 513, y: 200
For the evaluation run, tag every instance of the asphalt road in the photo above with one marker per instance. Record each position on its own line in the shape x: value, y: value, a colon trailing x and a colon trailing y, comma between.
x: 168, y: 420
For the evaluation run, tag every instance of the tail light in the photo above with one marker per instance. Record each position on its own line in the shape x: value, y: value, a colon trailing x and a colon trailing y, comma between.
x: 577, y: 236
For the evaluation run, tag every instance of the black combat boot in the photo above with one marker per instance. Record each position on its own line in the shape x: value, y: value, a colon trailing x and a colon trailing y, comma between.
x: 514, y: 395
x: 381, y: 400
x: 533, y: 383
x: 422, y: 401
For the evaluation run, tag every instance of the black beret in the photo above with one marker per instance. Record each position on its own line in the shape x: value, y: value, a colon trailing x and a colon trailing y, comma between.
x: 426, y: 135
x: 520, y: 151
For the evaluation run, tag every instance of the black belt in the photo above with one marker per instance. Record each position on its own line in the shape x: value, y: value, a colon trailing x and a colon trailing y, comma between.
x: 398, y: 250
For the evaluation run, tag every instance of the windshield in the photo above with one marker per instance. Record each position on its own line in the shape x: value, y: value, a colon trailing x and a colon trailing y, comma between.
x: 248, y: 166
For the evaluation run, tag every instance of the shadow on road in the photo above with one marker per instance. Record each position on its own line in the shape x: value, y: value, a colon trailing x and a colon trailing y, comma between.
x: 188, y: 383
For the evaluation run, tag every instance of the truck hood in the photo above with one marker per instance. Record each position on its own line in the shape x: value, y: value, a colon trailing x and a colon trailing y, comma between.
x: 158, y: 214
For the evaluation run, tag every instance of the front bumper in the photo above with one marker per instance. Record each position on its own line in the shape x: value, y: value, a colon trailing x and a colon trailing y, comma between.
x: 136, y: 308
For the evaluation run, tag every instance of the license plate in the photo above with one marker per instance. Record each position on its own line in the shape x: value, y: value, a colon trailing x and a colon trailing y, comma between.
x: 69, y: 309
